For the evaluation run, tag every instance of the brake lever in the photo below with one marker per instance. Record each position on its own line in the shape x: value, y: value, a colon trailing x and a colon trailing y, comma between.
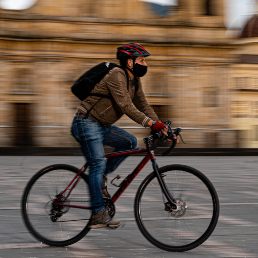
x: 181, y: 138
x: 177, y: 132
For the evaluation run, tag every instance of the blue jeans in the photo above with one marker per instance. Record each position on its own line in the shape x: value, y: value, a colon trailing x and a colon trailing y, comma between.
x: 92, y: 137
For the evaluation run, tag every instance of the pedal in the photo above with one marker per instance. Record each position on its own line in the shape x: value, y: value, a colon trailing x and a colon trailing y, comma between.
x: 113, y: 226
x: 114, y: 179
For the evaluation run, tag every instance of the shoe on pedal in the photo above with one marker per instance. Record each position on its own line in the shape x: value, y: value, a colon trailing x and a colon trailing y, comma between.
x: 101, y: 219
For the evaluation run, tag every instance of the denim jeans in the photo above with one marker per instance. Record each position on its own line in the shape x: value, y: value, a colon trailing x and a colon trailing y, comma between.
x: 92, y: 137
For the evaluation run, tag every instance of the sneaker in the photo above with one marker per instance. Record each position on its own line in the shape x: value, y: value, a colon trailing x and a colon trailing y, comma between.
x: 105, y: 192
x: 102, y: 219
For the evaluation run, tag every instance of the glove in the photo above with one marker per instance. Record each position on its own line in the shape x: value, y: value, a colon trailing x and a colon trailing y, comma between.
x: 157, y: 126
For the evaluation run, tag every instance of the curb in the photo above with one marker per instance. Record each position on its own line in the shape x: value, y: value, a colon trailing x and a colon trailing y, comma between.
x: 66, y: 151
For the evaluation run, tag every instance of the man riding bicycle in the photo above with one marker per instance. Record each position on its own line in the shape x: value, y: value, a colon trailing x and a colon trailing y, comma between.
x: 93, y: 123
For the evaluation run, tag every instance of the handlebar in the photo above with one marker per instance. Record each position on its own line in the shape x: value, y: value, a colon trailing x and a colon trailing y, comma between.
x: 172, y: 135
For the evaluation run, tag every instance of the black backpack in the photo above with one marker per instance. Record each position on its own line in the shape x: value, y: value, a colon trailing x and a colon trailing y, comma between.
x: 83, y: 86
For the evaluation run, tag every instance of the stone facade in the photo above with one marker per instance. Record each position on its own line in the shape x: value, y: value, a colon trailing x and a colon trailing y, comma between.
x: 194, y: 71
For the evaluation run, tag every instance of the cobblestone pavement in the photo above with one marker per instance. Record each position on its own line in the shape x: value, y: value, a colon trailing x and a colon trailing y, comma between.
x: 236, y: 235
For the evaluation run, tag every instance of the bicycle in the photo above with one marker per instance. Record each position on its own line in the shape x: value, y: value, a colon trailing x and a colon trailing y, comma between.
x: 176, y: 207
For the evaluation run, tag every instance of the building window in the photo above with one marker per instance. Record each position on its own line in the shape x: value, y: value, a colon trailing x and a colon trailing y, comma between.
x: 210, y: 97
x: 208, y: 8
x: 242, y: 83
x: 23, y: 84
x: 23, y: 135
x: 241, y: 109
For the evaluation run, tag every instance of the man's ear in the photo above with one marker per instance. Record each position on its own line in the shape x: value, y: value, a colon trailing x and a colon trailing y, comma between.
x: 130, y: 63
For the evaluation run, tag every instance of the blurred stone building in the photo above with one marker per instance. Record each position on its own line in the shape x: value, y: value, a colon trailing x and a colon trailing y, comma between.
x: 202, y: 78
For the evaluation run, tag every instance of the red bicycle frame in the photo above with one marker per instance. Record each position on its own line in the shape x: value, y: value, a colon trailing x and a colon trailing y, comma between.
x: 127, y: 181
x: 61, y: 197
x: 149, y: 155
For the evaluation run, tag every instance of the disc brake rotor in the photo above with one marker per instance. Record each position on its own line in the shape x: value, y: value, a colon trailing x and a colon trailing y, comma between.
x: 180, y: 209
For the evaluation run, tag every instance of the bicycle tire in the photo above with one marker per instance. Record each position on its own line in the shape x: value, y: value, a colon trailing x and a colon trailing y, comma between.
x: 170, y: 229
x: 31, y: 223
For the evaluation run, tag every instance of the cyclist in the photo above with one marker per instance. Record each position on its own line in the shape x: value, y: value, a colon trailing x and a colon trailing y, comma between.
x: 95, y: 129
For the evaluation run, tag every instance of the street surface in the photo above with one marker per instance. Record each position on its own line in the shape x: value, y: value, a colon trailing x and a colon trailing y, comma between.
x: 236, y: 235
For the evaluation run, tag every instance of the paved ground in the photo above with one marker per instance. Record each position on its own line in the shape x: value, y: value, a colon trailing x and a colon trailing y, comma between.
x: 235, y: 178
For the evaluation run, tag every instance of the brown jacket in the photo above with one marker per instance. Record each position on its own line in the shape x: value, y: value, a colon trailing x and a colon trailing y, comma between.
x: 124, y: 100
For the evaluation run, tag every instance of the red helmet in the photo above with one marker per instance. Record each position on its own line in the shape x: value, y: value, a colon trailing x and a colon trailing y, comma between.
x: 131, y: 50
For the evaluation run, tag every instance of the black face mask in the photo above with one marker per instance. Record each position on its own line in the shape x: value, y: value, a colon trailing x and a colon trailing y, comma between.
x: 140, y: 70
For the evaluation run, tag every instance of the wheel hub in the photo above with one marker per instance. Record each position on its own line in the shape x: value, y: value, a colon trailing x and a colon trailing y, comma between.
x: 57, y: 209
x: 180, y: 209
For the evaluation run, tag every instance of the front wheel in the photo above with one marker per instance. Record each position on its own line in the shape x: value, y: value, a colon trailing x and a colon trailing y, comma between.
x: 191, y: 222
x: 49, y: 215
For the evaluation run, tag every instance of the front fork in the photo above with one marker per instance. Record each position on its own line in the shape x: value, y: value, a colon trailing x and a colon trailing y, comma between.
x: 162, y: 184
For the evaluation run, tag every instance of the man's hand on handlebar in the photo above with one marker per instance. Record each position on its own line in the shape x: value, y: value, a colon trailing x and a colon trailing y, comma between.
x: 159, y: 127
x: 163, y: 129
x: 165, y: 133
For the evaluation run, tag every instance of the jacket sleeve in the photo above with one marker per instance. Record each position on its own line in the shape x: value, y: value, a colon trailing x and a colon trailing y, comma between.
x: 142, y: 104
x: 117, y: 86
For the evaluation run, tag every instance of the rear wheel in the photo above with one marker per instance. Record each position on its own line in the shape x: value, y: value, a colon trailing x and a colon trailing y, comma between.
x: 182, y: 228
x: 47, y: 215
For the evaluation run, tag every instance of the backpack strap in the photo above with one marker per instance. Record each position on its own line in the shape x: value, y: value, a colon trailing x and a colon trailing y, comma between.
x: 107, y: 96
x: 127, y: 77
